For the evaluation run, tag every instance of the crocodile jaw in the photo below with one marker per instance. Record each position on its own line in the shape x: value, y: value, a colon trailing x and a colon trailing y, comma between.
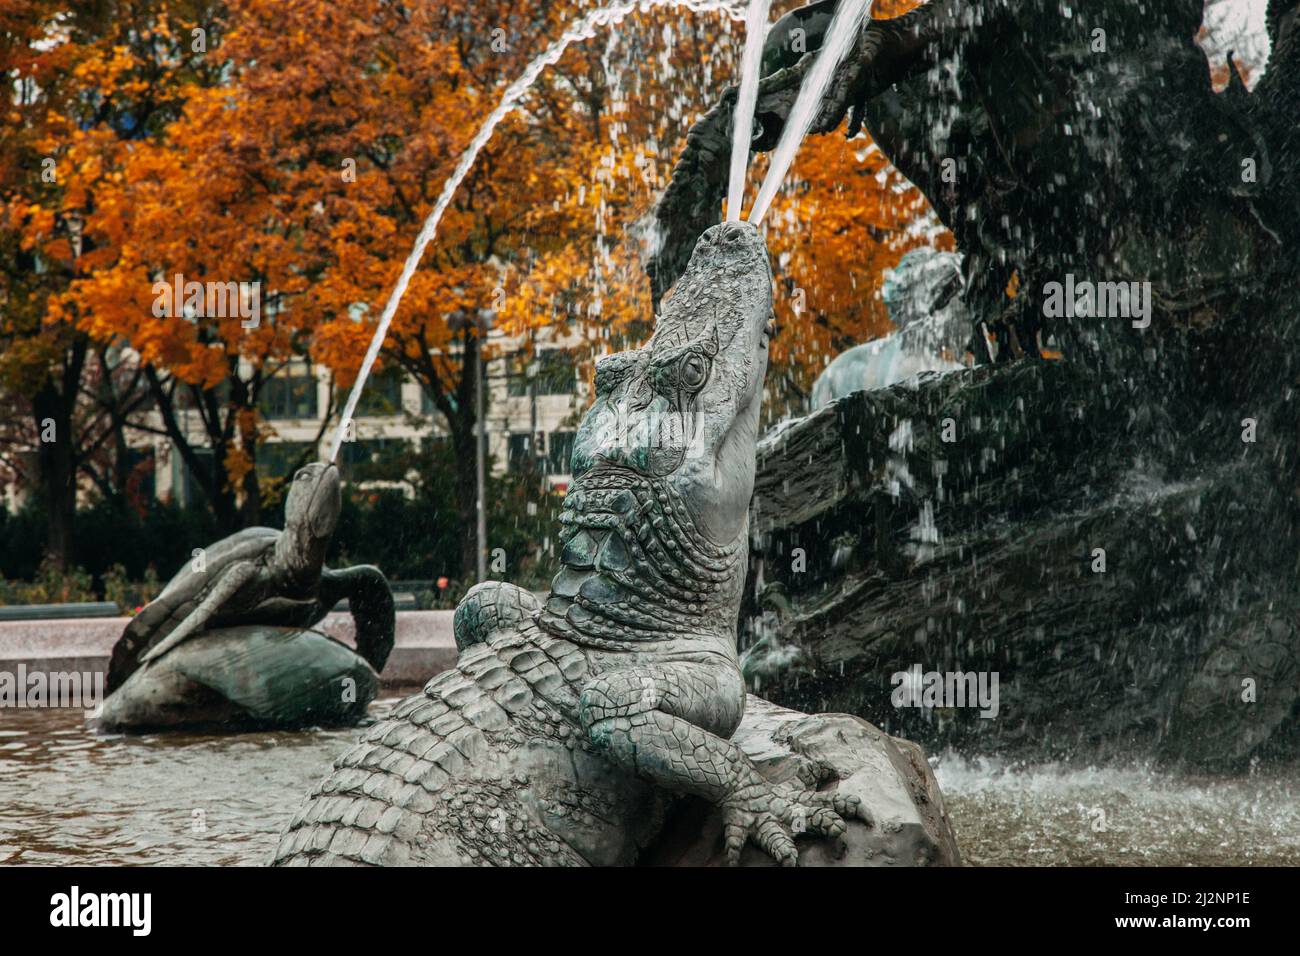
x: 685, y: 408
x: 655, y: 521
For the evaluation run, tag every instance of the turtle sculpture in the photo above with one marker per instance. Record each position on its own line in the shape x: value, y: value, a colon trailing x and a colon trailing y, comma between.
x: 229, y: 640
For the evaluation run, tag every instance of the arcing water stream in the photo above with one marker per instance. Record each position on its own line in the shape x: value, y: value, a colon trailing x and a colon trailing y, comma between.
x: 742, y: 130
x: 841, y: 33
x: 583, y: 29
x: 840, y: 36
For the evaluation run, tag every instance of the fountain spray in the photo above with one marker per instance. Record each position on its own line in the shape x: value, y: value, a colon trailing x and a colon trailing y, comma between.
x: 742, y: 131
x: 583, y: 29
x: 840, y: 35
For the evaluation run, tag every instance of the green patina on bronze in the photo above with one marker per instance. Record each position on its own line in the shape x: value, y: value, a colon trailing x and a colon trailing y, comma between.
x: 567, y: 723
x: 229, y: 639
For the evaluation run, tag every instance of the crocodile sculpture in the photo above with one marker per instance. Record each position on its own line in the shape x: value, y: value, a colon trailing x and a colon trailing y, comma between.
x: 538, y: 747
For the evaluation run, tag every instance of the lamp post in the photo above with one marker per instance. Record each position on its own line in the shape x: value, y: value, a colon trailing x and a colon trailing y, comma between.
x: 480, y: 446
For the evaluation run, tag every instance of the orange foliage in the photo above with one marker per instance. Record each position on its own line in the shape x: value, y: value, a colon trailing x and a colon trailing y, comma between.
x: 252, y: 181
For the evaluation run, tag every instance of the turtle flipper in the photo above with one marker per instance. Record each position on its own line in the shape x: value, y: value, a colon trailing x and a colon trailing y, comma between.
x: 227, y: 586
x: 373, y: 610
x: 135, y: 638
x: 491, y: 606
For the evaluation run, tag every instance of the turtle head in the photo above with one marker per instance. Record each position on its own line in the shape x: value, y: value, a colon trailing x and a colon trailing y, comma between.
x: 685, y: 407
x: 311, y: 510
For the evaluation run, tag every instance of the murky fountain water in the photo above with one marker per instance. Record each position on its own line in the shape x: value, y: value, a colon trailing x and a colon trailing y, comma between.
x: 70, y: 796
x: 1055, y: 814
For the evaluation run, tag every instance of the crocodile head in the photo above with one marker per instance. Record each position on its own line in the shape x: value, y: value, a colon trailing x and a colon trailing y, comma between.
x: 684, y: 409
x: 653, y: 531
x: 311, y: 513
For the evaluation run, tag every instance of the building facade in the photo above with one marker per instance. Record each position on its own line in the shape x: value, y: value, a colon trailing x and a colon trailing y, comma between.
x: 533, y: 399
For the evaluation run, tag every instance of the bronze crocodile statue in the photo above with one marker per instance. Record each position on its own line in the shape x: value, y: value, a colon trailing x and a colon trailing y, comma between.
x: 565, y: 725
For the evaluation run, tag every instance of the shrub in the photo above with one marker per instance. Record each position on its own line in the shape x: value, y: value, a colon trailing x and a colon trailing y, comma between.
x: 123, y: 555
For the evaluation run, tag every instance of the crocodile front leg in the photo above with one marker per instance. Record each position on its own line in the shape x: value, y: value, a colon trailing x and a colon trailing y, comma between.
x: 669, y: 723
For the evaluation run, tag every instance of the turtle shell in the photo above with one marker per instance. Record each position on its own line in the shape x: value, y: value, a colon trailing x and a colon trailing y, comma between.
x: 182, y: 595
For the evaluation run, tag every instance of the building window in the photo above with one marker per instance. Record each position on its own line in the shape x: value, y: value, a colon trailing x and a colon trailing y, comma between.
x: 559, y: 452
x: 190, y: 396
x: 382, y: 394
x: 426, y: 402
x: 276, y: 459
x: 191, y: 491
x: 374, y: 459
x: 518, y: 451
x: 140, y: 465
x: 552, y: 372
x: 289, y: 396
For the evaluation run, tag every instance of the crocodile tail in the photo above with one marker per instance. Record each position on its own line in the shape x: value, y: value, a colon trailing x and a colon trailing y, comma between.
x: 406, y: 792
x: 492, y: 606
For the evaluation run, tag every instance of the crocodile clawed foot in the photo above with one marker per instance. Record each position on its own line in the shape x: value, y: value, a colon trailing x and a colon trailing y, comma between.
x: 772, y: 815
x: 813, y: 772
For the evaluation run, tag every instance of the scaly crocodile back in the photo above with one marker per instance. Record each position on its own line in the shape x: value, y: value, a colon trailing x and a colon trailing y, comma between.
x: 486, y: 766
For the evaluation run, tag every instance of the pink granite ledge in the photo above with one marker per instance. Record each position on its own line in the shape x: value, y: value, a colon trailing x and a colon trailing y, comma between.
x: 424, y: 646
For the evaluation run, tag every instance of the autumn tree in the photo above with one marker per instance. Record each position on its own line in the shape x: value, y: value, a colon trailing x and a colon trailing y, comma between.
x: 359, y: 115
x: 312, y: 166
x: 87, y: 85
x: 214, y: 203
x: 304, y: 147
x: 301, y: 149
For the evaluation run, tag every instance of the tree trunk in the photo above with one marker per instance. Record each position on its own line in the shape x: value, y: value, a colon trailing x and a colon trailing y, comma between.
x: 58, y: 470
x: 53, y: 409
x: 463, y: 443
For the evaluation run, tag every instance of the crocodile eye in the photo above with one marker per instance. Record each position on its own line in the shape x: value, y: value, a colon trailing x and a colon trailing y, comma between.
x: 693, y: 371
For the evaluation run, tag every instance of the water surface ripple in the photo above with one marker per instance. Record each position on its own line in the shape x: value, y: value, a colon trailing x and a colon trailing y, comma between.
x: 70, y: 796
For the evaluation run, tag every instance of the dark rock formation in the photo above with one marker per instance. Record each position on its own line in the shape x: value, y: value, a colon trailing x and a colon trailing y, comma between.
x: 979, y: 554
x: 1063, y: 150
